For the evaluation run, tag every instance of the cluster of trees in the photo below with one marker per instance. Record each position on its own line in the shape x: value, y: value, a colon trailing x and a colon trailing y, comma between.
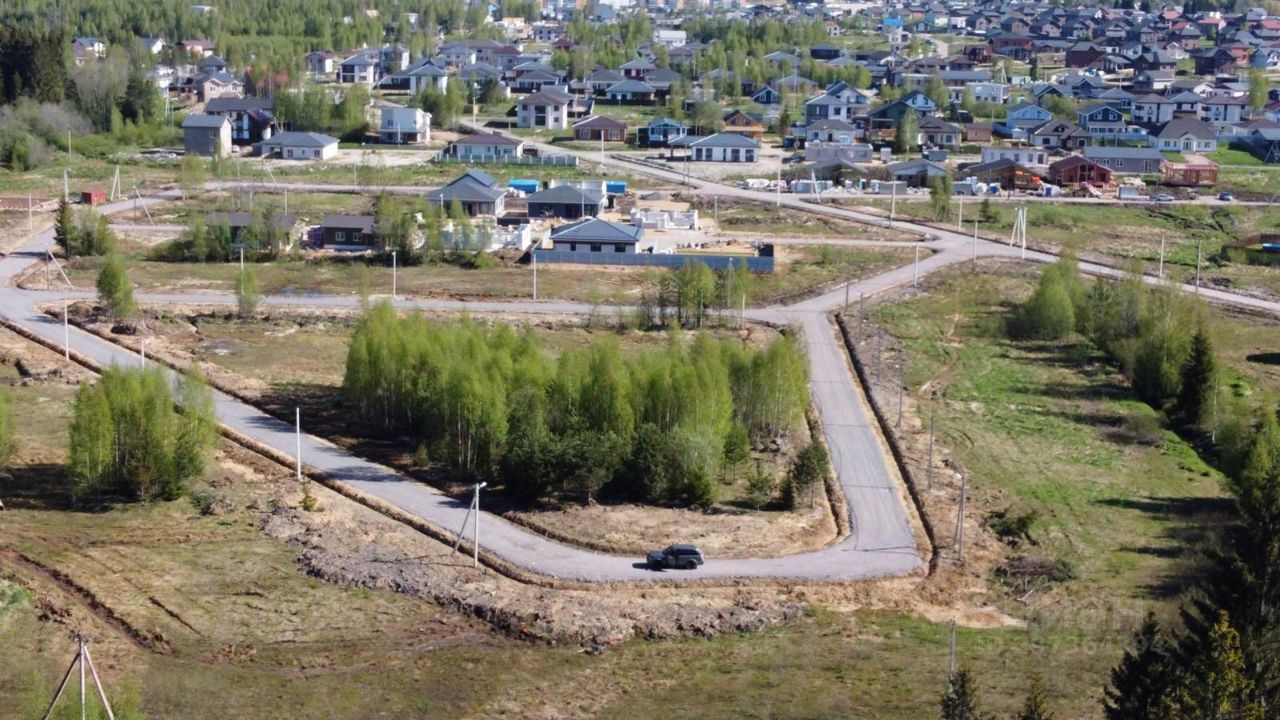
x: 961, y: 701
x: 32, y: 63
x: 317, y: 109
x: 494, y: 404
x: 690, y: 294
x: 88, y: 235
x: 128, y: 440
x: 1221, y: 659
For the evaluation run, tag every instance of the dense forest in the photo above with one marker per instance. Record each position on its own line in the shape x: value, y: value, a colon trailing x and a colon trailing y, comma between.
x: 491, y: 403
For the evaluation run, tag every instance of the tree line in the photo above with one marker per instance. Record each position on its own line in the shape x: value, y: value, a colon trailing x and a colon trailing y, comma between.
x: 1220, y: 658
x: 495, y: 404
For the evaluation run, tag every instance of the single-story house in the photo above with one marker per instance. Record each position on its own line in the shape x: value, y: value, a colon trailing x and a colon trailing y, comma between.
x: 485, y: 147
x: 597, y: 236
x: 630, y: 91
x: 721, y: 147
x: 916, y: 173
x: 206, y: 135
x: 1184, y: 135
x: 600, y: 127
x: 300, y: 146
x: 565, y: 201
x: 347, y: 232
x: 1132, y: 160
x: 476, y: 191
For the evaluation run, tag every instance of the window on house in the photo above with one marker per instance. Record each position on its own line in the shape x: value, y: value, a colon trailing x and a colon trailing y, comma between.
x: 595, y: 247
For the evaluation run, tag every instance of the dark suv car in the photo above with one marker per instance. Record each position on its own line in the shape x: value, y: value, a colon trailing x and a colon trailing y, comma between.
x: 686, y: 557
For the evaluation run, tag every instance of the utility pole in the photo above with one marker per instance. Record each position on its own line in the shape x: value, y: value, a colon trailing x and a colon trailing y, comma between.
x: 893, y: 203
x: 534, y: 255
x: 1160, y: 273
x: 393, y: 274
x: 1199, y: 255
x: 297, y: 419
x: 473, y: 508
x: 960, y: 218
x: 66, y: 329
x: 915, y: 269
x: 964, y: 481
x: 975, y: 244
x: 902, y: 383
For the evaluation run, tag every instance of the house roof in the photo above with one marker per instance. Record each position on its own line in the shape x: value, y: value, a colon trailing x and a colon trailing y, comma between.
x: 630, y: 86
x: 300, y: 139
x: 488, y: 139
x: 600, y: 122
x: 916, y: 167
x: 597, y: 230
x: 1178, y: 127
x: 724, y: 140
x: 1108, y: 152
x: 547, y: 97
x: 363, y: 223
x: 237, y: 104
x: 567, y: 195
x: 465, y: 189
x: 245, y: 219
x: 204, y: 121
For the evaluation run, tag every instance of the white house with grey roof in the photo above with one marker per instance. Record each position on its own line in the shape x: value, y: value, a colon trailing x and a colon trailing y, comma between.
x: 721, y: 147
x: 596, y: 236
x: 300, y: 146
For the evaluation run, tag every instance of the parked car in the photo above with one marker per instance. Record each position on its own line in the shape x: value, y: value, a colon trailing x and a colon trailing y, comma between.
x: 1226, y: 197
x: 1162, y: 197
x: 685, y: 557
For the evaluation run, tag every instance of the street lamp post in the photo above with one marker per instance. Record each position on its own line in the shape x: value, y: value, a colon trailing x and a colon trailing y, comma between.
x: 393, y: 274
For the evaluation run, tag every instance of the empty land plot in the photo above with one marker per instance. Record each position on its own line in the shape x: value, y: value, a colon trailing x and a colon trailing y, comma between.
x: 801, y: 270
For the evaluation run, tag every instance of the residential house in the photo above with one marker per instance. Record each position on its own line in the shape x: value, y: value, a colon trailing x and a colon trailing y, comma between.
x: 1152, y: 81
x: 1101, y: 121
x: 1223, y: 109
x: 485, y: 147
x: 661, y: 131
x: 404, y: 125
x: 1216, y: 61
x: 1026, y: 156
x: 600, y: 128
x: 196, y: 48
x: 601, y: 79
x: 596, y: 236
x: 636, y: 69
x: 359, y: 68
x: 152, y: 45
x: 1153, y: 110
x: 630, y: 92
x: 835, y: 132
x: 738, y: 122
x: 939, y: 133
x: 720, y: 147
x: 252, y: 118
x: 320, y: 62
x: 1126, y: 160
x: 475, y: 191
x: 1184, y: 135
x: 428, y: 75
x: 347, y: 232
x: 916, y: 173
x: 567, y: 202
x: 1077, y: 170
x: 206, y: 135
x: 213, y: 64
x: 1059, y: 135
x: 1021, y: 118
x: 544, y: 110
x: 300, y: 146
x: 1004, y: 172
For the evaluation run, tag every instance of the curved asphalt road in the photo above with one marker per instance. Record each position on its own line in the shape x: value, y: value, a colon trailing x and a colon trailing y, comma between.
x: 882, y: 544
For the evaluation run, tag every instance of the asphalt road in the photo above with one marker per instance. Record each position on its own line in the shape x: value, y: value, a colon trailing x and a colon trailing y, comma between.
x: 882, y: 544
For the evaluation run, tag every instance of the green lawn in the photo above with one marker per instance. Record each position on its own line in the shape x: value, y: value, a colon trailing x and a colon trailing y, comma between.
x: 1230, y: 156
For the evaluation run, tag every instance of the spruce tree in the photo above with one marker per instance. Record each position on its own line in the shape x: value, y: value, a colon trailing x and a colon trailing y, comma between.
x: 1143, y: 685
x: 1217, y: 685
x: 1036, y: 706
x: 960, y: 702
x: 1198, y: 381
x: 64, y: 230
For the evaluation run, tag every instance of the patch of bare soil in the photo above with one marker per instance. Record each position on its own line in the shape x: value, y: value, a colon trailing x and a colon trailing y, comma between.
x: 720, y: 533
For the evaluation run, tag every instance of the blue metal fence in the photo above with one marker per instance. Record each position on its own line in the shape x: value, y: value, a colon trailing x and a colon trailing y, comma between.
x: 762, y: 264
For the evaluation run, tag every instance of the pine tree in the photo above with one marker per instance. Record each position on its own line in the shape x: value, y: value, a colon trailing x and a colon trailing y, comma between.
x: 1199, y: 380
x: 1036, y: 706
x: 1216, y: 685
x: 64, y: 230
x: 960, y: 702
x: 115, y: 289
x: 1144, y: 683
